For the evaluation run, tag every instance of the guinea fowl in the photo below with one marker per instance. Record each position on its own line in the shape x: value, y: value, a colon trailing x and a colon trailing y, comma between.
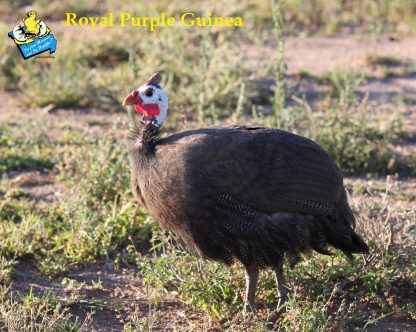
x: 259, y: 195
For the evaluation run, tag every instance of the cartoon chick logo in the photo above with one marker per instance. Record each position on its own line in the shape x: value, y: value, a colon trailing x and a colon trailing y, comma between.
x: 33, y: 37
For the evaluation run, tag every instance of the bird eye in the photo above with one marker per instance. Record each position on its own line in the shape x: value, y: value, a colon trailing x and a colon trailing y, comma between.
x: 149, y: 93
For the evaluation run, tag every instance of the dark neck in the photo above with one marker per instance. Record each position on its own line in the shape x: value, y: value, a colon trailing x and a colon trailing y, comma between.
x: 144, y: 137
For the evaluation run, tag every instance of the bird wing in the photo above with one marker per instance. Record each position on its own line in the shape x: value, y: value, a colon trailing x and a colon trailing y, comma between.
x: 270, y: 170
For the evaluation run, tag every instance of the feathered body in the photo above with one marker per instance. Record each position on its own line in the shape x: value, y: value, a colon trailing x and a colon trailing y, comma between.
x: 254, y: 194
x: 249, y: 193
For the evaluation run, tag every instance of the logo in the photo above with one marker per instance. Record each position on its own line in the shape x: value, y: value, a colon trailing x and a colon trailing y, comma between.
x: 33, y: 37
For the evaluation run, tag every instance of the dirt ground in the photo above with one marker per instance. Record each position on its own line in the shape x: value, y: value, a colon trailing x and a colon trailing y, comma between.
x: 109, y: 294
x: 120, y: 289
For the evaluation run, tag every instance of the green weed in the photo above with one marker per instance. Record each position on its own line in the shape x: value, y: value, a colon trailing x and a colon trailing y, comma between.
x: 344, y: 85
x: 21, y: 149
x: 358, y: 143
x: 29, y: 312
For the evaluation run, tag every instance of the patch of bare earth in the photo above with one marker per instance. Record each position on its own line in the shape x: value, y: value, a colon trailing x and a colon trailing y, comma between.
x: 318, y: 56
x: 107, y: 294
x: 392, y: 324
x: 39, y: 186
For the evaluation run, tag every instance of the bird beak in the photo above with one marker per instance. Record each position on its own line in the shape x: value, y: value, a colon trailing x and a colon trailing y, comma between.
x: 132, y: 98
x: 148, y: 110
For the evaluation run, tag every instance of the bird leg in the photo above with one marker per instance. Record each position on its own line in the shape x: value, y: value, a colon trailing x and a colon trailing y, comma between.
x: 252, y: 276
x: 283, y: 291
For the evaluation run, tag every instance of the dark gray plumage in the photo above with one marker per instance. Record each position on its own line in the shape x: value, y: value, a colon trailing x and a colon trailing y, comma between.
x: 254, y: 194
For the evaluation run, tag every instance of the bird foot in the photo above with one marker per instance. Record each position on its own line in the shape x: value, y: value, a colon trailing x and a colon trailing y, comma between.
x: 249, y: 307
x: 275, y: 319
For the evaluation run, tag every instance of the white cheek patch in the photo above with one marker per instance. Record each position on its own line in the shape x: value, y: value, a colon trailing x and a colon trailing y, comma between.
x: 159, y: 97
x: 162, y: 100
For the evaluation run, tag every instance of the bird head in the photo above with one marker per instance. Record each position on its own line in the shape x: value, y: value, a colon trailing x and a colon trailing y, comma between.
x: 150, y: 100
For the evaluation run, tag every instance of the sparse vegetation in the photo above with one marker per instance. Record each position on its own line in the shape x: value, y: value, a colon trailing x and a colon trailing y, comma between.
x: 65, y: 201
x: 24, y: 150
x: 328, y: 292
x: 28, y: 312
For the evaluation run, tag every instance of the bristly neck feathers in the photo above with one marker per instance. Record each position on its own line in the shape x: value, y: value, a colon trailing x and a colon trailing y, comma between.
x: 143, y: 137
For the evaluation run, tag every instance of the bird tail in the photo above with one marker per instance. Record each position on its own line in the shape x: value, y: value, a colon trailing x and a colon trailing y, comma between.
x: 296, y: 233
x: 342, y: 236
x: 339, y: 229
x: 343, y: 211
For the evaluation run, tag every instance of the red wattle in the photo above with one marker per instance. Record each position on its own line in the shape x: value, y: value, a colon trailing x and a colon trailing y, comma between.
x: 147, y: 109
x: 138, y: 108
x: 151, y: 109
